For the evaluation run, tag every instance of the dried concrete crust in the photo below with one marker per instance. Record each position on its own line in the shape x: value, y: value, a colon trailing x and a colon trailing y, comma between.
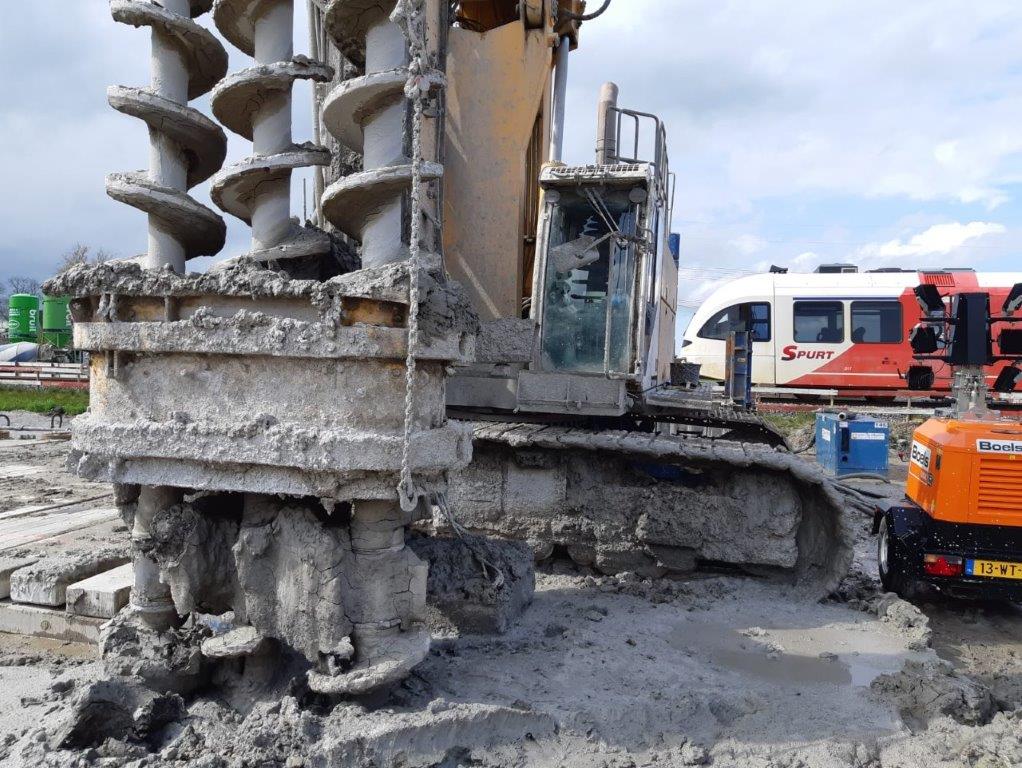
x: 445, y: 307
x: 925, y: 691
x: 291, y: 571
x: 623, y: 501
x: 196, y: 402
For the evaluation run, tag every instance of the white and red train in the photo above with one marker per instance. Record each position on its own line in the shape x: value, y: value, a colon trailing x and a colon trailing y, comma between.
x: 845, y: 331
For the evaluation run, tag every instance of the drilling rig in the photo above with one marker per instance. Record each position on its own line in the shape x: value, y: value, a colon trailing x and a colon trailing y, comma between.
x: 582, y: 441
x: 273, y: 426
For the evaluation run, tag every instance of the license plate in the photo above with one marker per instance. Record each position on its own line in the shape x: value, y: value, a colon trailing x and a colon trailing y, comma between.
x: 994, y: 569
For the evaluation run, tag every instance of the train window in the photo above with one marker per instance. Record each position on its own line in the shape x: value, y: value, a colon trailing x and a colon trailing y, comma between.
x: 876, y: 322
x: 753, y: 316
x: 819, y: 322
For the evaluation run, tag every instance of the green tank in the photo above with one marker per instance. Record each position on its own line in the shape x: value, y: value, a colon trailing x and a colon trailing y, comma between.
x: 23, y: 317
x: 57, y: 321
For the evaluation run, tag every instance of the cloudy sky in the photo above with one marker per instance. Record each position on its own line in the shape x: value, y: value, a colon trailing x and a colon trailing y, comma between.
x: 880, y: 133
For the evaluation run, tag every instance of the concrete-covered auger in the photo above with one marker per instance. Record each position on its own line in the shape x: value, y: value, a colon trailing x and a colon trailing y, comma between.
x: 370, y: 114
x: 257, y: 424
x: 256, y: 103
x: 186, y: 147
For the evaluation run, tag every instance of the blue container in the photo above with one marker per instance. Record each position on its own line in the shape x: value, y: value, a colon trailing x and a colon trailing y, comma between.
x: 848, y: 444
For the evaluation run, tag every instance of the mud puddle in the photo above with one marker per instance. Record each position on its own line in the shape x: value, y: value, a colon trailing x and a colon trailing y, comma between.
x: 840, y: 656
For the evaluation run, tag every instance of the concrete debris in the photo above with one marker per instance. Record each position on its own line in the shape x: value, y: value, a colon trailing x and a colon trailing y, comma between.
x: 507, y: 340
x: 102, y: 595
x: 477, y: 585
x: 924, y: 691
x: 46, y: 581
x: 8, y: 565
x: 907, y: 618
x: 234, y: 644
x: 166, y: 662
x: 119, y: 708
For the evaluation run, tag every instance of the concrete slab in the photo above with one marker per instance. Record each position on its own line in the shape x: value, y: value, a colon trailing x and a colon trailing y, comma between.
x: 9, y: 565
x: 36, y: 621
x: 46, y: 582
x: 22, y: 530
x: 102, y: 595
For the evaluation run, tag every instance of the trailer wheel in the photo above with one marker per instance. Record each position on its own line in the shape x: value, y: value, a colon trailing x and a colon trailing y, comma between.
x: 891, y: 561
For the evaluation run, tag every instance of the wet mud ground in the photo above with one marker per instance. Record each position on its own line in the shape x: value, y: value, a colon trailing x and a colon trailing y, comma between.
x: 716, y: 669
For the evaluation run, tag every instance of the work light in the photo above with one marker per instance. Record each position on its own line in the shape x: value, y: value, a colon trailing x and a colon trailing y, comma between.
x: 929, y: 298
x: 1007, y: 379
x: 923, y: 339
x: 920, y: 377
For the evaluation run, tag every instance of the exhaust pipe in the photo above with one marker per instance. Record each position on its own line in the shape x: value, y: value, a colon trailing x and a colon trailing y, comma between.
x: 559, y: 96
x: 606, y: 125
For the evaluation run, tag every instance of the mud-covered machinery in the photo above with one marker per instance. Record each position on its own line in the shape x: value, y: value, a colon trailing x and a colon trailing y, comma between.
x: 582, y: 440
x: 959, y: 528
x: 274, y: 425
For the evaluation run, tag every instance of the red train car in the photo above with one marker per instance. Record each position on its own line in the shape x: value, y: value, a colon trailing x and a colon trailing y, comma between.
x: 831, y: 330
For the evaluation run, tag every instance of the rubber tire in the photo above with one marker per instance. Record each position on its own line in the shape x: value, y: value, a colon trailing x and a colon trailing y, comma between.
x: 893, y: 576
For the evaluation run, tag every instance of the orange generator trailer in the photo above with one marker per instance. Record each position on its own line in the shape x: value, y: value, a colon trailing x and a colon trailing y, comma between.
x: 959, y: 528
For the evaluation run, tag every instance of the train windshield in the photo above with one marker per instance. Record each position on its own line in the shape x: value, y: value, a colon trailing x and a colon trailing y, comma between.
x: 750, y: 316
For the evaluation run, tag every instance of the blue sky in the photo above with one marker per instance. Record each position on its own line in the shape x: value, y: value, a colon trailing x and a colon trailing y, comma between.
x: 879, y: 133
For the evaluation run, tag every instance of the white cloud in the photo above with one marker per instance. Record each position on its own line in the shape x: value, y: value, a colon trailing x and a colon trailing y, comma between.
x: 912, y: 104
x: 938, y: 240
x: 866, y: 98
x: 747, y: 245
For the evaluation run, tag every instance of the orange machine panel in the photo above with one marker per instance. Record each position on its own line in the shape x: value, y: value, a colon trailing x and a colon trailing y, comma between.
x: 968, y: 471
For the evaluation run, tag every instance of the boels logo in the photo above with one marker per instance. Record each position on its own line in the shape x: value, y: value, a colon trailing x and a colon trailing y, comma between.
x: 920, y: 455
x: 792, y: 352
x: 999, y: 446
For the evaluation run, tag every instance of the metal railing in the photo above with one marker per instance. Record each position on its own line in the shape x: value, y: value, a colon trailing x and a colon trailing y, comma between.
x: 665, y: 181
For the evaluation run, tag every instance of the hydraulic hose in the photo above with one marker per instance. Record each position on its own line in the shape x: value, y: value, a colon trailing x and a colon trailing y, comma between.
x: 587, y: 16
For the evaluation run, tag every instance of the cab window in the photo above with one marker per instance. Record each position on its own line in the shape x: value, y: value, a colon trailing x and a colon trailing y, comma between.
x: 752, y: 316
x: 819, y: 322
x: 876, y: 322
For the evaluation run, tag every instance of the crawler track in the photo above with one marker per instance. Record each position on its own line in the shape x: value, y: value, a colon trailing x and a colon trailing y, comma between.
x: 621, y: 501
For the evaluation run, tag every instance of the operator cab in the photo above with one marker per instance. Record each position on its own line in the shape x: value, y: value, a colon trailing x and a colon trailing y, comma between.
x: 605, y: 282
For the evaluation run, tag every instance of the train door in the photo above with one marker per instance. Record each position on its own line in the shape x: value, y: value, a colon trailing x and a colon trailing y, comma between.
x: 877, y: 333
x: 760, y: 322
x: 815, y: 333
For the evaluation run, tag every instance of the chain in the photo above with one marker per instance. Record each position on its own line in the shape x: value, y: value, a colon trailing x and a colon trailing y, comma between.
x: 408, y: 14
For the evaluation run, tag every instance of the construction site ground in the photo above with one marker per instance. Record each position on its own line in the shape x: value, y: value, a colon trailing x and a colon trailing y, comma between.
x: 715, y: 669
